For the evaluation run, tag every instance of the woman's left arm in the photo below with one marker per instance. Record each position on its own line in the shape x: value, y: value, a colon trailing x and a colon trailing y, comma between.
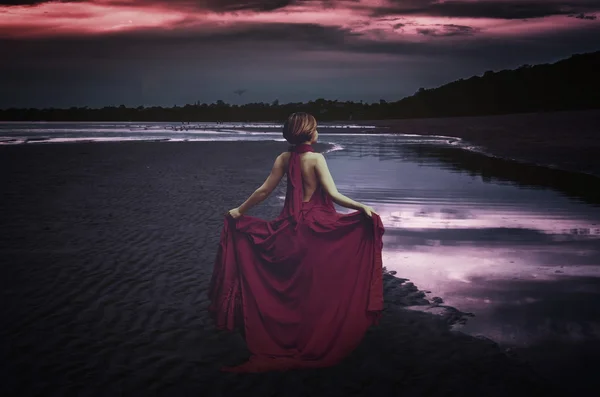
x: 266, y: 188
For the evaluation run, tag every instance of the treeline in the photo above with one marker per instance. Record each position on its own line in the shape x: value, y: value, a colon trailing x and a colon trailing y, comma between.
x: 569, y: 84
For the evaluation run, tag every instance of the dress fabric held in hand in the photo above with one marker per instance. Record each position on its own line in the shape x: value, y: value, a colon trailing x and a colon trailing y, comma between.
x: 303, y: 288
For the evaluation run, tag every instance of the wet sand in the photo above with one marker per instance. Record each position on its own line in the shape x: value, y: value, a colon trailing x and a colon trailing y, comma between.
x: 106, y: 252
x: 564, y: 140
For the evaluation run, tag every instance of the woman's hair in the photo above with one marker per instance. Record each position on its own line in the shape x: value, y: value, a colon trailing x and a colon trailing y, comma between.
x: 299, y: 127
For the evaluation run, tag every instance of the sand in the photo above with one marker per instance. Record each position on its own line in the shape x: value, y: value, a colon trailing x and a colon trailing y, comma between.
x: 106, y: 251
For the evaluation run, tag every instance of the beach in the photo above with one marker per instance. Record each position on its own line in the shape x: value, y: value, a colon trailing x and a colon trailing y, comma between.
x: 107, y: 251
x: 563, y: 140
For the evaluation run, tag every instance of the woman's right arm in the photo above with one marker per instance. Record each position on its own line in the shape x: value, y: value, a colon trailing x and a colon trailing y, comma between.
x: 327, y: 181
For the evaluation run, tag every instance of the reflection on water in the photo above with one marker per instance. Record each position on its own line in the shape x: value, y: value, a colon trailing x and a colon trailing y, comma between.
x: 516, y: 245
x: 576, y: 185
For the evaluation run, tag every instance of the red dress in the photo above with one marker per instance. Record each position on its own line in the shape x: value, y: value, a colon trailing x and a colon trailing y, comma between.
x: 304, y: 287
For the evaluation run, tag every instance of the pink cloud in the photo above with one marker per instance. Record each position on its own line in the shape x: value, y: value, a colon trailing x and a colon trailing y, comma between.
x: 57, y: 19
x: 109, y: 16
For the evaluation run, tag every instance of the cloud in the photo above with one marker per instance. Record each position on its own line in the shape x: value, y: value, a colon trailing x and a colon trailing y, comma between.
x: 203, y: 44
x: 279, y: 39
x: 19, y: 2
x: 211, y: 5
x: 231, y: 5
x: 590, y: 17
x: 36, y: 2
x: 447, y: 31
x: 384, y: 20
x: 496, y: 9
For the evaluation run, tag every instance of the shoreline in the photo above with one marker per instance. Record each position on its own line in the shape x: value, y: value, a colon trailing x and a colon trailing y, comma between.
x: 580, y: 182
x: 568, y: 140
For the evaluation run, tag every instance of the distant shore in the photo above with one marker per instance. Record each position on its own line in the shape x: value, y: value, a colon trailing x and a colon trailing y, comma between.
x: 564, y: 140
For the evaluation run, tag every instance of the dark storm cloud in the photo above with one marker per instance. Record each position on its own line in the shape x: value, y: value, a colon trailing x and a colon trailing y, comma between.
x: 498, y: 9
x: 152, y: 44
x: 249, y: 5
x: 583, y: 16
x: 213, y: 5
x: 34, y: 2
x: 236, y: 5
x: 447, y: 30
x: 510, y: 9
x: 288, y: 38
x: 192, y: 44
x: 18, y: 2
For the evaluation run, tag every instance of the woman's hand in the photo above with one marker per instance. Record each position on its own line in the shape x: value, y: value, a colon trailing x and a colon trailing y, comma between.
x: 235, y: 213
x: 368, y: 210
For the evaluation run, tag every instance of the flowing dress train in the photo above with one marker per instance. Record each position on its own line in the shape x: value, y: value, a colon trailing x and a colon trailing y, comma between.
x: 303, y: 288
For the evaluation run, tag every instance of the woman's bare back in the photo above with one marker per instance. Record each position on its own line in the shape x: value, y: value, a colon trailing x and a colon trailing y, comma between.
x: 310, y: 181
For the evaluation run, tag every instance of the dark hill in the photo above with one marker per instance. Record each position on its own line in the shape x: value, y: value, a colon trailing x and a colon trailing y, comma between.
x: 569, y: 84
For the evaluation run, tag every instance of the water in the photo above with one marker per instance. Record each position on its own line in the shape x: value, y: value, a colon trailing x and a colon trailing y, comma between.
x: 518, y: 249
x: 50, y: 132
x: 525, y: 260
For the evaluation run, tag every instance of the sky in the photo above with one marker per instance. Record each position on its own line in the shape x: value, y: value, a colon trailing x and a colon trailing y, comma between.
x: 172, y: 52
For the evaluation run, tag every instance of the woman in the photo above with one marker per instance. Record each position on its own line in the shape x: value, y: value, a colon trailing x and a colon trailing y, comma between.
x: 304, y: 287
